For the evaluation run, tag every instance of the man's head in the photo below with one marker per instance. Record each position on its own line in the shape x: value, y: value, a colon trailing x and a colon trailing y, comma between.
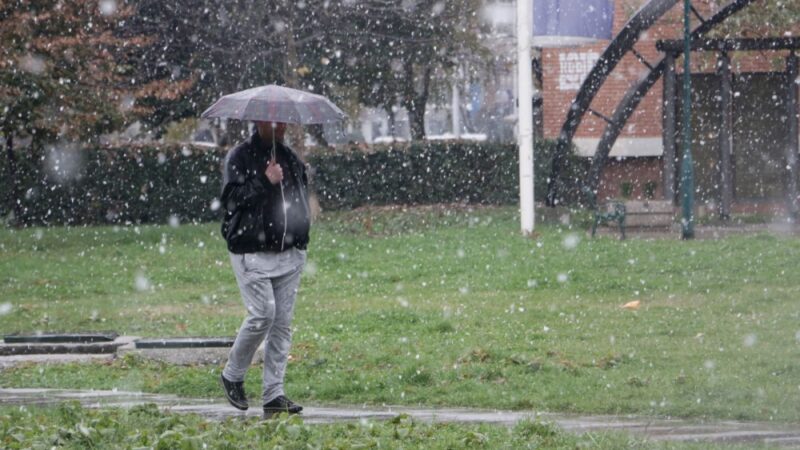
x: 268, y: 130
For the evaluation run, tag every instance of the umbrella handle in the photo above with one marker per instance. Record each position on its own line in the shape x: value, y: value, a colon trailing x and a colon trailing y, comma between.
x: 274, y: 126
x: 283, y: 197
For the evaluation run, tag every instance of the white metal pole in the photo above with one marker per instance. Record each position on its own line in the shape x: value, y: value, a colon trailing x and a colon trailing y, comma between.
x: 525, y: 114
x: 455, y: 107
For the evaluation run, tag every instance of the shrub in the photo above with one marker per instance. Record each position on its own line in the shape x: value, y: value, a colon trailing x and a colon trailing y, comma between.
x: 135, y: 184
x: 151, y: 184
x: 436, y: 172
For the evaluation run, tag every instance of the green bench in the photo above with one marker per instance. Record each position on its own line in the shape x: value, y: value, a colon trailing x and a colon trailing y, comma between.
x: 609, y: 212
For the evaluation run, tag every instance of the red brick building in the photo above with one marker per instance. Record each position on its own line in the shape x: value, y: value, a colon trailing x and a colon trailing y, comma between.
x: 636, y: 167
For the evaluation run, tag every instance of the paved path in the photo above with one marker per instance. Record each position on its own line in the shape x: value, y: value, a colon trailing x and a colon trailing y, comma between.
x: 783, y: 435
x: 701, y: 232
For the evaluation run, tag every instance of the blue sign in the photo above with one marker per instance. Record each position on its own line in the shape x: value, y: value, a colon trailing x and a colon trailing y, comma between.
x: 562, y: 23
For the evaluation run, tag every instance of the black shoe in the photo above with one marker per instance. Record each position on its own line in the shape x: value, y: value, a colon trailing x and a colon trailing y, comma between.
x: 234, y: 392
x: 281, y: 404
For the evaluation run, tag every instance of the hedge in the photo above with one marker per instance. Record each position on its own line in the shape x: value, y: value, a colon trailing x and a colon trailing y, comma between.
x: 147, y: 184
x: 117, y: 185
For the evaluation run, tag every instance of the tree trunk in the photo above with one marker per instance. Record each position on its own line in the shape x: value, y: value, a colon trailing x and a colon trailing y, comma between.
x: 318, y: 133
x: 417, y: 90
x: 236, y: 131
x: 296, y: 133
x: 392, y: 122
x: 417, y: 119
x: 14, y: 198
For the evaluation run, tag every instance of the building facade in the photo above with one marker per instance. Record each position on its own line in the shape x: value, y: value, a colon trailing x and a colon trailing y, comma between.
x: 759, y: 127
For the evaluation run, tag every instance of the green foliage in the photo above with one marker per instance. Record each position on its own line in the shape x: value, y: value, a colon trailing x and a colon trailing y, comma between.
x: 418, y: 174
x: 223, y: 46
x: 132, y: 185
x: 626, y: 189
x: 180, y: 130
x: 373, y: 52
x: 68, y: 74
x: 153, y: 184
x: 436, y: 172
x: 766, y: 18
x: 67, y: 69
x: 650, y: 189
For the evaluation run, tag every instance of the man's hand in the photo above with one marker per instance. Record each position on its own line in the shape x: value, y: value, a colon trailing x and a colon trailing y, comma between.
x: 274, y: 172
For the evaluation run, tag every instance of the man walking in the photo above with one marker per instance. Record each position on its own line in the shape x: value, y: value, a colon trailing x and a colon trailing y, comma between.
x: 266, y: 227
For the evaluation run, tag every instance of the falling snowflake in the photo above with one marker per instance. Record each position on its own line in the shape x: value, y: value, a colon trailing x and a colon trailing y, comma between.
x: 571, y: 241
x: 108, y: 7
x: 141, y: 283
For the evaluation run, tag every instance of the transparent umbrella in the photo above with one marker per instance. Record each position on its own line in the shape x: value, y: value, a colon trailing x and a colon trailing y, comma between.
x: 273, y: 103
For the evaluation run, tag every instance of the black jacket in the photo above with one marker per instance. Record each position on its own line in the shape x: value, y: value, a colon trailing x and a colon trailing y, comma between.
x: 255, y: 219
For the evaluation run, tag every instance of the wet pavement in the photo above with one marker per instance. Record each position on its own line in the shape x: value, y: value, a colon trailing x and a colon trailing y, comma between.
x: 180, y: 351
x: 784, y: 435
x: 13, y: 360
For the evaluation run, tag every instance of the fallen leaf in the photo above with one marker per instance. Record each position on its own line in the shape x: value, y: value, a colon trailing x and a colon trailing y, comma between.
x: 632, y: 305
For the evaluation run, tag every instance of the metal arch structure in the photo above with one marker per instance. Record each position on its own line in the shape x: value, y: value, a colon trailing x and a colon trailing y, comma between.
x: 619, y: 46
x: 637, y: 92
x: 624, y: 42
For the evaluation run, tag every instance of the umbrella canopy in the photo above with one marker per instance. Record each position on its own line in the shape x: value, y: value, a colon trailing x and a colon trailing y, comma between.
x: 276, y: 104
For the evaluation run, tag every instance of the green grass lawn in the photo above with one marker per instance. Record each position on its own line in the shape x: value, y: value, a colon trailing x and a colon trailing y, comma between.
x: 439, y: 307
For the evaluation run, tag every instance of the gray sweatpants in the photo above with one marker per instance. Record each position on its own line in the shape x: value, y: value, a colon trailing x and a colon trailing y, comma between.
x: 268, y: 283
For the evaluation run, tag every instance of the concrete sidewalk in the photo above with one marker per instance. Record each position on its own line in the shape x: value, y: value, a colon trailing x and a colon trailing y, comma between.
x: 784, y: 435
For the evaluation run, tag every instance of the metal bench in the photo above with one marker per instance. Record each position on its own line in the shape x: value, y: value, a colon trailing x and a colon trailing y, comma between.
x: 649, y: 214
x: 611, y: 211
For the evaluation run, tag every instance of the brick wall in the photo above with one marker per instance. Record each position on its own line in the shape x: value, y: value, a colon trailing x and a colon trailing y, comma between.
x: 636, y: 171
x: 646, y: 121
